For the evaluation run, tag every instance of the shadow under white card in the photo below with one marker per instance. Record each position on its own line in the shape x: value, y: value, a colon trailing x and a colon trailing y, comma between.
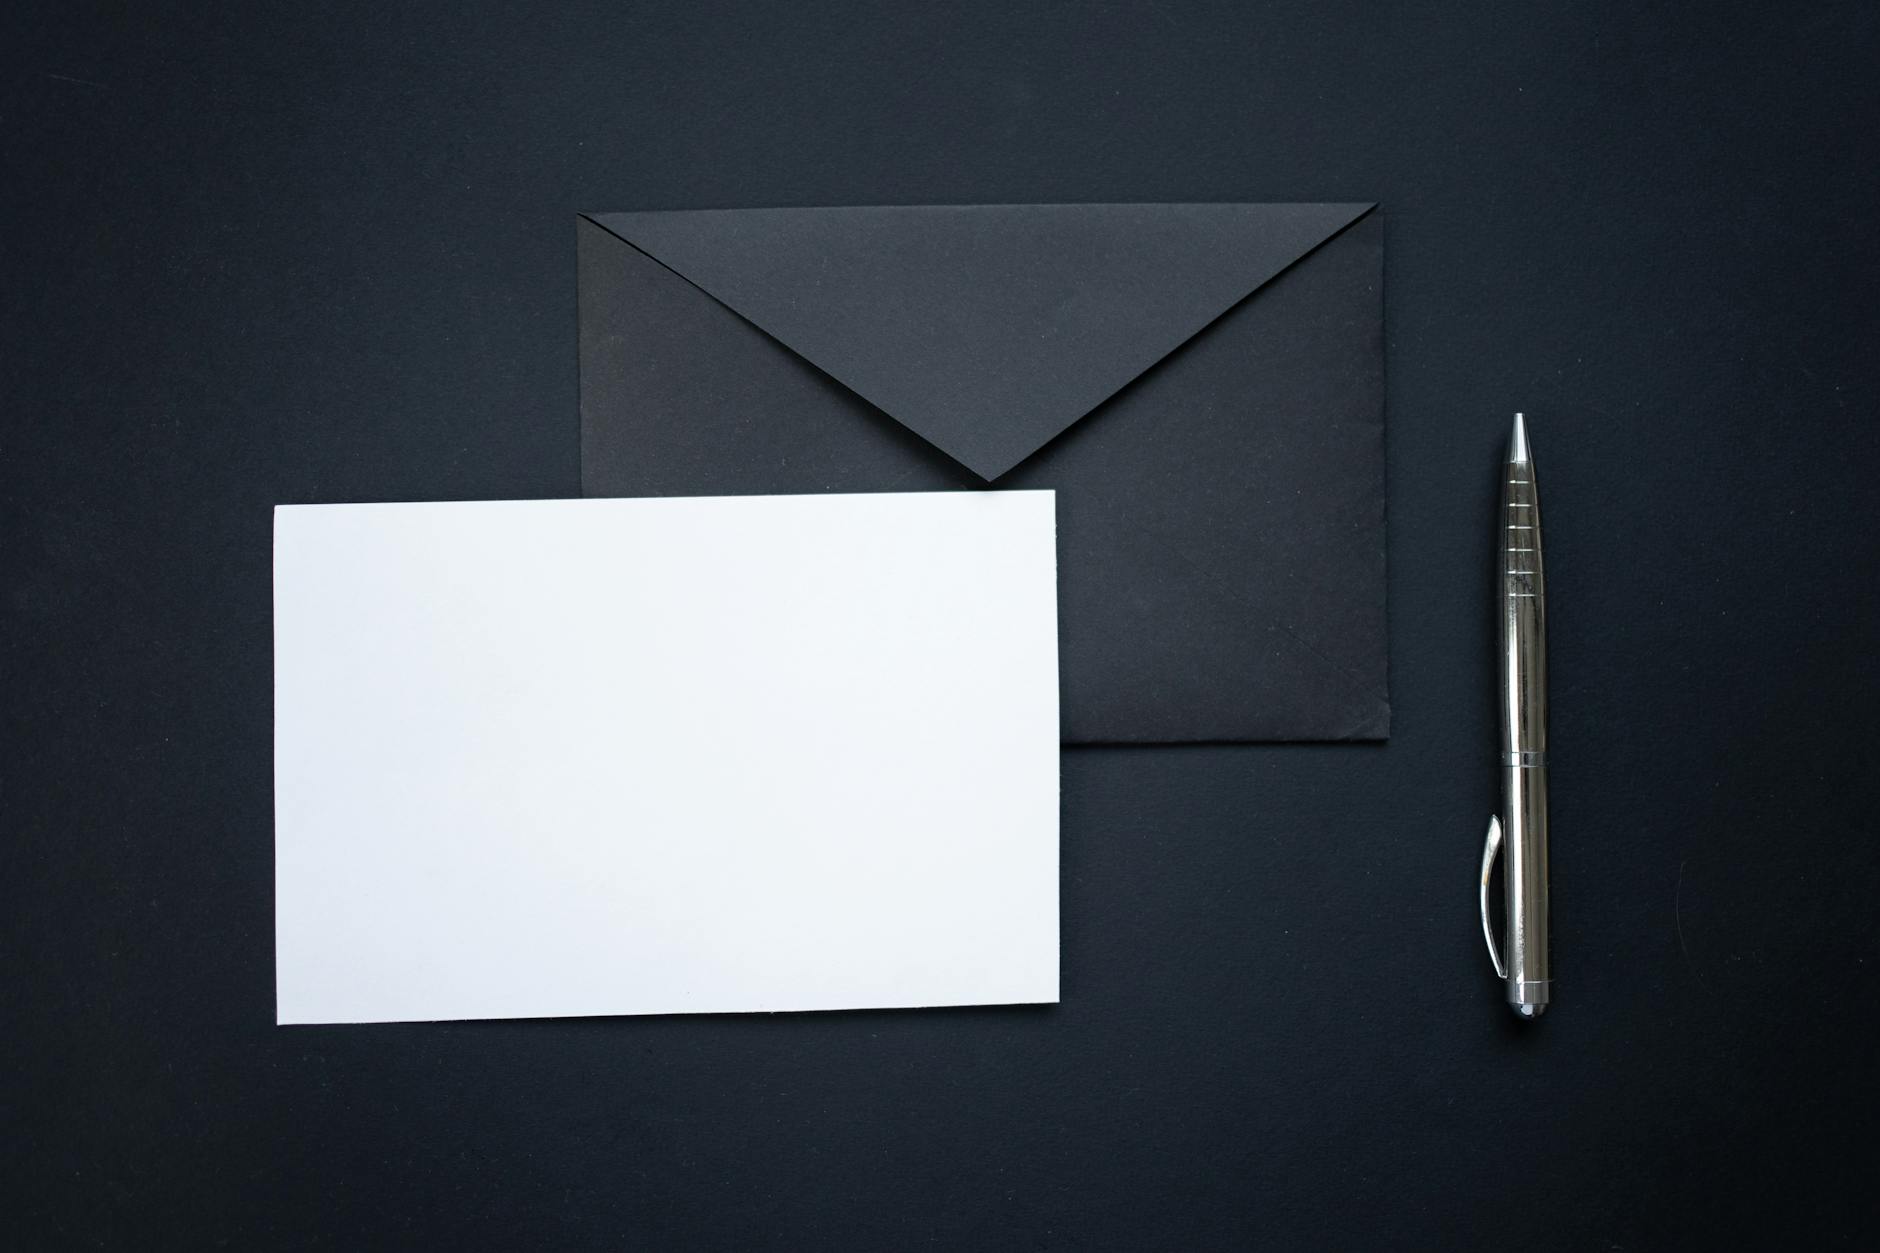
x: 541, y: 758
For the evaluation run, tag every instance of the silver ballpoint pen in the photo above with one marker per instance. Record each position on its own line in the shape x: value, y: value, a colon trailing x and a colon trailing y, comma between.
x: 1519, y: 833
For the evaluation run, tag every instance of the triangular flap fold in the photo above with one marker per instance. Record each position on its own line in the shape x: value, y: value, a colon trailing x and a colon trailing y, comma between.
x: 985, y: 329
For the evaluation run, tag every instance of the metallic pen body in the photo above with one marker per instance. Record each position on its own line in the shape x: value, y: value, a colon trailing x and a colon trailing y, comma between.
x: 1519, y: 833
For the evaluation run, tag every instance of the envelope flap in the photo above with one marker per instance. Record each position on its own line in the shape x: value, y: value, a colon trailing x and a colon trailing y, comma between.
x: 985, y: 329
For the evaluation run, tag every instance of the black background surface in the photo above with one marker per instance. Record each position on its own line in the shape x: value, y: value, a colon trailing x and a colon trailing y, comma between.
x: 304, y: 253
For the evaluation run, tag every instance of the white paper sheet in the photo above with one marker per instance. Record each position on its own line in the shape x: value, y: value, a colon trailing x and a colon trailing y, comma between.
x: 543, y: 758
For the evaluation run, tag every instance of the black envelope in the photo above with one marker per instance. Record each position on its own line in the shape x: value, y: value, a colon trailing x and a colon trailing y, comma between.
x: 1202, y: 384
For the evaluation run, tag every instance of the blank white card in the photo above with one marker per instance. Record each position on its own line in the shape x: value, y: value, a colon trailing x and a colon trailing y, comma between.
x: 665, y: 756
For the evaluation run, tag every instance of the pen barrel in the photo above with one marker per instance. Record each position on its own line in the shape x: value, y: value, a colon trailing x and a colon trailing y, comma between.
x: 1524, y: 882
x: 1523, y: 655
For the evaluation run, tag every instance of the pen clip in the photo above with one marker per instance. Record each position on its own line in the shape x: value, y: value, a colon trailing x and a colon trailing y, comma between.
x: 1490, y: 851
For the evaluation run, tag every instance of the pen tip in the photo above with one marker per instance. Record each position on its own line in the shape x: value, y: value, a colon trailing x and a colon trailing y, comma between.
x: 1517, y: 442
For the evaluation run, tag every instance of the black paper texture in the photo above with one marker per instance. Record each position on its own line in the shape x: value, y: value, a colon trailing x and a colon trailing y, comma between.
x: 1202, y: 386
